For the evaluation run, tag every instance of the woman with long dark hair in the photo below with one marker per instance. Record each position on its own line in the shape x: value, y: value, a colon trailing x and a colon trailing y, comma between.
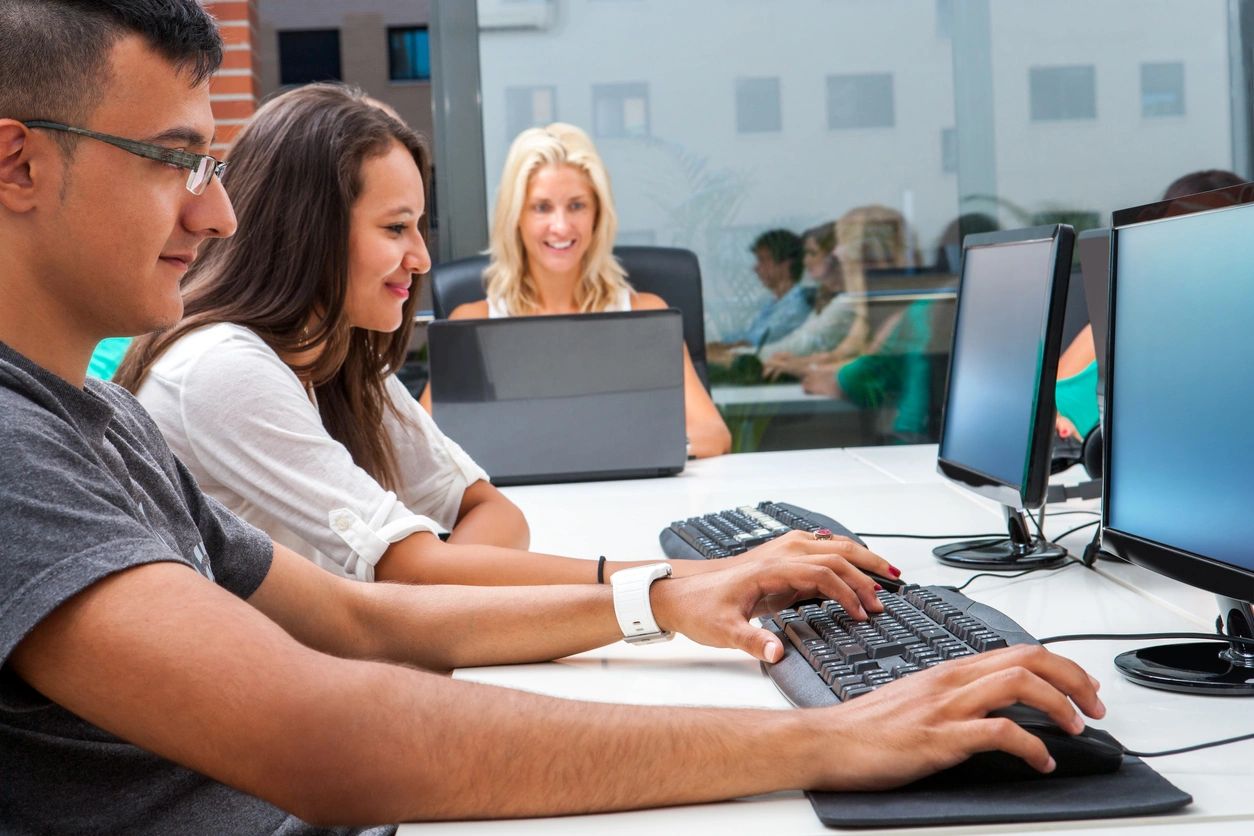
x: 277, y: 388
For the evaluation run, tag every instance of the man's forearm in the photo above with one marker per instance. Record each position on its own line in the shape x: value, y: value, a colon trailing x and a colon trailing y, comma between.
x: 431, y: 748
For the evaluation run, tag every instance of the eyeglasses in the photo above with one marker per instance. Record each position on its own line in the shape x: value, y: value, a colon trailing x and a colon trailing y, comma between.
x: 201, y: 168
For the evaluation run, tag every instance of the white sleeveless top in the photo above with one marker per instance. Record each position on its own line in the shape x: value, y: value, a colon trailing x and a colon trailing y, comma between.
x: 496, y: 308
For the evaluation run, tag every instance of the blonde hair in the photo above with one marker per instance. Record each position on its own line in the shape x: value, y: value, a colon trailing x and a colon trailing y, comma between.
x: 507, y: 278
x: 874, y: 236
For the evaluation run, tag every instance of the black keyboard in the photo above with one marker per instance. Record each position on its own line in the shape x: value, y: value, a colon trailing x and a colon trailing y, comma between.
x: 735, y: 530
x: 830, y: 657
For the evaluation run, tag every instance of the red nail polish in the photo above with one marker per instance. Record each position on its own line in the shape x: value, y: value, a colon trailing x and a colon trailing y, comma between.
x: 879, y: 588
x: 895, y: 571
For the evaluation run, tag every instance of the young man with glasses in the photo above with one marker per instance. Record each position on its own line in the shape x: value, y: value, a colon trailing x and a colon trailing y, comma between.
x: 166, y: 668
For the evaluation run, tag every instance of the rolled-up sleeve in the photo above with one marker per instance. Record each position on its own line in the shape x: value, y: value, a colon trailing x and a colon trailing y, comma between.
x: 251, y: 427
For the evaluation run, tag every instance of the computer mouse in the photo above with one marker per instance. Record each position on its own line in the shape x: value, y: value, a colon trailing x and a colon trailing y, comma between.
x: 1091, y: 752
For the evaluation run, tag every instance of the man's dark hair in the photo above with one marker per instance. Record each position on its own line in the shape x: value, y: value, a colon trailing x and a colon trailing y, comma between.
x: 1202, y: 181
x: 54, y: 54
x: 783, y: 246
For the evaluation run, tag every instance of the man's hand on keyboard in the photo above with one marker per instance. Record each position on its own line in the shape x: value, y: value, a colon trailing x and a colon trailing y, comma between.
x: 714, y: 608
x: 937, y: 718
x: 794, y: 544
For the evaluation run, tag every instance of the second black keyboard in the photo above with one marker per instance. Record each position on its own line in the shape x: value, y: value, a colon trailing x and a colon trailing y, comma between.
x: 730, y: 532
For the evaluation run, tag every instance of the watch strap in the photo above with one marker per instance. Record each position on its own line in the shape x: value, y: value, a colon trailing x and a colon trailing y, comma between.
x: 632, y: 606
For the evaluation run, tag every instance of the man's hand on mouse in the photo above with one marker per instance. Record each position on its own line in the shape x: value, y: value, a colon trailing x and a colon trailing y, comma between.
x: 936, y: 719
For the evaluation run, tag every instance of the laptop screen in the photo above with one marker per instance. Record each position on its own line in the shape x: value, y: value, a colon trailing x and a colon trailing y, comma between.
x: 559, y: 398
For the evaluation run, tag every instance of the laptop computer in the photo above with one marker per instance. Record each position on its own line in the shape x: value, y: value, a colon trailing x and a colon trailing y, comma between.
x: 563, y: 398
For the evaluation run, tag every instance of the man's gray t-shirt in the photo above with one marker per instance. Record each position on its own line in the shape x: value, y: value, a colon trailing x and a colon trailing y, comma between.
x: 88, y: 488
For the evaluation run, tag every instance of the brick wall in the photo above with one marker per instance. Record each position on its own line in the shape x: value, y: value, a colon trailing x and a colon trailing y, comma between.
x: 235, y: 88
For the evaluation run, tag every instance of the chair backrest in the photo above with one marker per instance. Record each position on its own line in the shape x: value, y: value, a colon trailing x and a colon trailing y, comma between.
x: 455, y: 283
x: 670, y: 272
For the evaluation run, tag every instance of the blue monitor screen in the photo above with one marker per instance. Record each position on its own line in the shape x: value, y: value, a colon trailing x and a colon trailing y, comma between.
x: 994, y: 376
x: 1181, y: 447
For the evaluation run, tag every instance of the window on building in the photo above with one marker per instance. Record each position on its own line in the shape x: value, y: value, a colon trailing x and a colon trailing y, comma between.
x: 620, y: 110
x: 309, y: 55
x: 409, y: 53
x: 1057, y: 93
x: 1162, y: 89
x: 528, y: 107
x: 860, y: 101
x: 949, y: 150
x: 757, y: 105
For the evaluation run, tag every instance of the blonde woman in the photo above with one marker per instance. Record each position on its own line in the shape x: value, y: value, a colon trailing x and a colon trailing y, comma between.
x: 551, y: 253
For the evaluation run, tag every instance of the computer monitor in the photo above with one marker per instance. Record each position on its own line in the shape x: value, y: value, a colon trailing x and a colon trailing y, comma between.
x: 997, y: 428
x: 1178, y: 456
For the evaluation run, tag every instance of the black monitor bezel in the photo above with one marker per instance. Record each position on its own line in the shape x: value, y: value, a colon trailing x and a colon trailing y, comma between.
x: 1031, y: 494
x: 1178, y: 564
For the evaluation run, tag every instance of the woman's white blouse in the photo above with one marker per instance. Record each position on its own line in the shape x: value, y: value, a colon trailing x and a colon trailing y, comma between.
x: 245, y: 426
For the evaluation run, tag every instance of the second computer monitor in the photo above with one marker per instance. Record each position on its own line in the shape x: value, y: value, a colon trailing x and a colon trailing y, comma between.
x: 998, y: 421
x: 1179, y: 394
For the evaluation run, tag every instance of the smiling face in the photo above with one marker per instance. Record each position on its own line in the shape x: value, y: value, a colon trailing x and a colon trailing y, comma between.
x: 557, y: 222
x: 135, y: 228
x: 385, y: 248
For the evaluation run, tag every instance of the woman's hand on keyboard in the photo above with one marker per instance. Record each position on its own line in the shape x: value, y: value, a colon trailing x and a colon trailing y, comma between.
x: 935, y: 719
x: 714, y: 608
x: 794, y: 544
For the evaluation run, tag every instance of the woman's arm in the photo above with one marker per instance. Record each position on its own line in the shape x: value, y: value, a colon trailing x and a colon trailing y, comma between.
x: 424, y: 558
x: 1078, y: 355
x: 707, y: 434
x: 488, y: 518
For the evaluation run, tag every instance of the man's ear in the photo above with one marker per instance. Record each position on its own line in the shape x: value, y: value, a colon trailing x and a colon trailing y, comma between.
x: 17, y: 167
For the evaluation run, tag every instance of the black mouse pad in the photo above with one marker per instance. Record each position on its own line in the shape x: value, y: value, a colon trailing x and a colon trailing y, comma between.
x: 1134, y: 790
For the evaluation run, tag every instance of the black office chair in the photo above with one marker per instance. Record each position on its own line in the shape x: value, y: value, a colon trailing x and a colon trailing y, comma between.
x: 670, y: 272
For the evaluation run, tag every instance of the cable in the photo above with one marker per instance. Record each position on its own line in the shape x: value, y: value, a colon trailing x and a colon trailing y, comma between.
x: 997, y: 534
x: 932, y: 536
x: 1103, y: 637
x: 968, y: 581
x: 1080, y: 511
x: 1192, y: 748
x: 1077, y: 528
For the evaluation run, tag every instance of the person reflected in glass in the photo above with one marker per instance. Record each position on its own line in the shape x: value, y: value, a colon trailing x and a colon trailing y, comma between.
x: 550, y: 252
x: 865, y: 238
x: 778, y: 266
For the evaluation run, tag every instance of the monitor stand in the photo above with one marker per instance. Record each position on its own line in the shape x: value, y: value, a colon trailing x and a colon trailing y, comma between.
x: 1019, y: 550
x: 1224, y: 669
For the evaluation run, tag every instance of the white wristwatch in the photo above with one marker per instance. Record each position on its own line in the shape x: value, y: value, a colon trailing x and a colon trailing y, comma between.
x: 631, y: 603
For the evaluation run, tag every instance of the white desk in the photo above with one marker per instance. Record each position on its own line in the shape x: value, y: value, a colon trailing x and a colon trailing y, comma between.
x: 879, y: 490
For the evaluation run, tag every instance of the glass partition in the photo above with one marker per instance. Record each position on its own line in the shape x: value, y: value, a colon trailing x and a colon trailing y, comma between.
x: 847, y: 146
